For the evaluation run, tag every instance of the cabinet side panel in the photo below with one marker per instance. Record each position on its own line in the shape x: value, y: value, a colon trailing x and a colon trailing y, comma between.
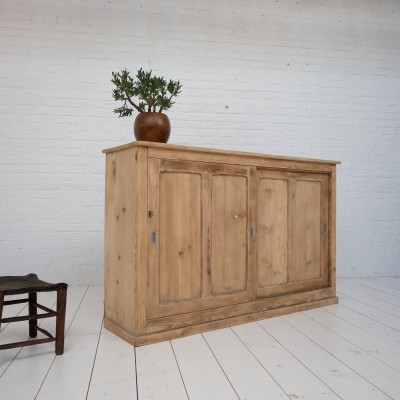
x: 229, y: 214
x: 307, y: 231
x: 120, y: 225
x: 272, y: 232
x: 180, y: 236
x: 332, y: 231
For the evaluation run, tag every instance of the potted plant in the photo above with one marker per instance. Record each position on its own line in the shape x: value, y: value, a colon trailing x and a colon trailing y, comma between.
x: 154, y: 96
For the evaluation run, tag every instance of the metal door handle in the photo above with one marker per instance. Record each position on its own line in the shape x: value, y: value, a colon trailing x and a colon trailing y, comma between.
x: 251, y: 233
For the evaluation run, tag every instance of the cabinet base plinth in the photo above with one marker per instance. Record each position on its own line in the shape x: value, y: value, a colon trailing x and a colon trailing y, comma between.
x: 209, y: 326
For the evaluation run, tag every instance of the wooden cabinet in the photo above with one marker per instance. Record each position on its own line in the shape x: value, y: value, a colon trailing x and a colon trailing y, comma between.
x: 198, y: 239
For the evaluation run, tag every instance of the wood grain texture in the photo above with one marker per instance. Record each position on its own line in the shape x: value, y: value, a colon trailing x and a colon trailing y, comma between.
x: 198, y: 206
x: 232, y: 310
x: 141, y: 241
x: 306, y: 257
x: 153, y: 147
x: 331, y: 262
x: 120, y: 233
x: 174, y: 333
x: 180, y: 237
x: 152, y: 263
x: 272, y: 231
x: 229, y: 234
x: 196, y: 238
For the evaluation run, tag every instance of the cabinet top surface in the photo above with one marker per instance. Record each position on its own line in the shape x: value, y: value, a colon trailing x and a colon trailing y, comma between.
x: 179, y: 148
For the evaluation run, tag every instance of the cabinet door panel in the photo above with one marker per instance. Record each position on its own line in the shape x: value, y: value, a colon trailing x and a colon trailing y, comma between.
x: 307, y: 240
x: 180, y: 236
x: 229, y: 234
x: 292, y: 252
x: 272, y: 232
x: 197, y: 227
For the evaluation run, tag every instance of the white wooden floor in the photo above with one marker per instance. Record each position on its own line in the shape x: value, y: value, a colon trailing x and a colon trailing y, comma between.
x: 346, y: 351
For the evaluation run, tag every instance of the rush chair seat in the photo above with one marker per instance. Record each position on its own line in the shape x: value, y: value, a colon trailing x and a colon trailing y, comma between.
x: 31, y: 285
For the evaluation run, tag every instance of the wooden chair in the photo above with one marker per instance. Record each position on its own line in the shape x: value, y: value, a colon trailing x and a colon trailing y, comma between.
x: 31, y: 285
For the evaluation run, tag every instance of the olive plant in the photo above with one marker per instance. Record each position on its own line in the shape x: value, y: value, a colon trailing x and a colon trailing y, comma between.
x: 154, y: 93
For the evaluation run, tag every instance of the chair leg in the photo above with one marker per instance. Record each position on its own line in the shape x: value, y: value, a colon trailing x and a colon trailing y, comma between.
x: 1, y: 307
x: 60, y: 321
x: 32, y: 313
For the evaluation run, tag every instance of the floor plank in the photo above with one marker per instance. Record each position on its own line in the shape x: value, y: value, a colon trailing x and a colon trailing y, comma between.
x: 393, y: 282
x: 371, y: 301
x: 374, y: 284
x: 69, y: 375
x: 248, y: 377
x: 114, y: 372
x: 371, y: 312
x: 158, y: 375
x: 358, y: 337
x: 335, y: 374
x: 373, y: 370
x: 354, y: 286
x: 203, y: 376
x: 291, y: 375
x: 367, y: 324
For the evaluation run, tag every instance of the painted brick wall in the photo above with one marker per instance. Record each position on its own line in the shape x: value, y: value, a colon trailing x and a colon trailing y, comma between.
x: 304, y: 78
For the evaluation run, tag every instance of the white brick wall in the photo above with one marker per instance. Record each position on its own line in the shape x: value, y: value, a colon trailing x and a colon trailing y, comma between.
x: 304, y: 78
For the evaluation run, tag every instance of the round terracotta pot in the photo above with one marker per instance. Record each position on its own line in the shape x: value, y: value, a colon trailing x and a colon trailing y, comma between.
x: 152, y: 127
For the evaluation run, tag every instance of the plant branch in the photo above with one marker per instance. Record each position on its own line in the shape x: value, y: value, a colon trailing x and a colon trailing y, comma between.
x: 132, y: 103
